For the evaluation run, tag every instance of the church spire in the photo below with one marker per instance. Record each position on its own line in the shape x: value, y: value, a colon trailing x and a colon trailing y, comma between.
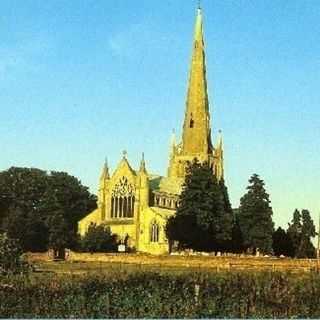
x: 196, y: 136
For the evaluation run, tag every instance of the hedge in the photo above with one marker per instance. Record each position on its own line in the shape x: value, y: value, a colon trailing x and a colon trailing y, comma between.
x: 154, y: 295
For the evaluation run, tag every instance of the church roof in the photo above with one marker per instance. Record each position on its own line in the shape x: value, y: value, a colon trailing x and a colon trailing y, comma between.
x: 162, y: 212
x: 168, y: 185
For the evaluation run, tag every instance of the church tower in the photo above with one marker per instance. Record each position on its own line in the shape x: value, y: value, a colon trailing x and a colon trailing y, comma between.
x: 136, y: 204
x: 196, y: 133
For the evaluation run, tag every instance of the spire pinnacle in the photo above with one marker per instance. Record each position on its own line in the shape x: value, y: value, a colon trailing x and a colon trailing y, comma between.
x: 196, y: 137
x: 105, y: 170
x: 142, y: 164
x: 220, y: 141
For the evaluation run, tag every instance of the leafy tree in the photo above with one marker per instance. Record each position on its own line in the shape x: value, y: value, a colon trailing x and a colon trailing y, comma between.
x: 203, y: 220
x: 255, y: 216
x: 11, y: 259
x: 21, y: 188
x: 31, y: 198
x: 281, y: 243
x: 99, y: 239
x: 66, y: 194
x: 60, y: 236
x: 30, y: 230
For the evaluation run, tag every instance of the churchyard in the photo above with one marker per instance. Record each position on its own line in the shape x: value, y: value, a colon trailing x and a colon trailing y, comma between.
x: 82, y: 263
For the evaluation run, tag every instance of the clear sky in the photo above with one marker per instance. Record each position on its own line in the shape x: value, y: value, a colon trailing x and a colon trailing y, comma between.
x: 82, y: 80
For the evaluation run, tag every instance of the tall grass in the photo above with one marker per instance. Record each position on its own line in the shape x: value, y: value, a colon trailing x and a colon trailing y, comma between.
x: 154, y: 295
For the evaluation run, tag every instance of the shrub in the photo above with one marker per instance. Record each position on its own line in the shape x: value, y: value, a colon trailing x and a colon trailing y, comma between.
x: 11, y: 259
x: 98, y: 238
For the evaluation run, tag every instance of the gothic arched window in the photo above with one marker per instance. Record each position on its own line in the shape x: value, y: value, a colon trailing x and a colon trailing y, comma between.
x: 122, y: 199
x: 154, y: 232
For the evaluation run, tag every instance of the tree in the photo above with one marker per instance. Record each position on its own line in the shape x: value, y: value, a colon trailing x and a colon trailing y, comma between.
x: 203, y: 220
x: 99, y: 239
x: 306, y: 248
x: 29, y: 230
x: 22, y: 188
x: 237, y: 238
x: 255, y: 216
x: 60, y: 236
x: 300, y: 231
x: 30, y: 199
x: 281, y: 243
x: 295, y: 231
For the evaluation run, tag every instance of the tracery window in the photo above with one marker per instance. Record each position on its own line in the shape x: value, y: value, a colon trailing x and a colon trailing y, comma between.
x: 122, y: 199
x: 154, y: 232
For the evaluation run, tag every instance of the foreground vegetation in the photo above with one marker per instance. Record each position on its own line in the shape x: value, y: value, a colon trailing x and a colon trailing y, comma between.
x: 149, y: 294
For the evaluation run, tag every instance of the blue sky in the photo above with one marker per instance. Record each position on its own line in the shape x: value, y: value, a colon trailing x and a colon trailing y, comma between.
x: 82, y: 80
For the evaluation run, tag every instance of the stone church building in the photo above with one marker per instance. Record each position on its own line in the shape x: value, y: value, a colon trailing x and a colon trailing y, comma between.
x: 136, y: 204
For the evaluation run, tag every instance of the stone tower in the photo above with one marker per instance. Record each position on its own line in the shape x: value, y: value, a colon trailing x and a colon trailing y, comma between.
x: 196, y: 133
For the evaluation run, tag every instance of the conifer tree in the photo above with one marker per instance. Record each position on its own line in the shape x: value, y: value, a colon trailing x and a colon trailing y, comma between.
x: 281, y: 243
x: 306, y: 248
x: 295, y: 231
x: 237, y: 238
x: 255, y: 216
x: 300, y: 231
x: 201, y: 221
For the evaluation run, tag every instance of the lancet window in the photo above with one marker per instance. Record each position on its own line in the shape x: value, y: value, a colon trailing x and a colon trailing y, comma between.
x: 122, y: 199
x: 154, y: 232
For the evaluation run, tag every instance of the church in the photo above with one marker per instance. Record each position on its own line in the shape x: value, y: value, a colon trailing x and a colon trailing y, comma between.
x: 136, y: 204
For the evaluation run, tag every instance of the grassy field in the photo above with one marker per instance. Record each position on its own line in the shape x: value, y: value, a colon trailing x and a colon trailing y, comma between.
x: 113, y: 263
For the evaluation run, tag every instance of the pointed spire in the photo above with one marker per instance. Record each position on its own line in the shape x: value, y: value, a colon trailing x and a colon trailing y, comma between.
x: 105, y: 170
x: 143, y: 164
x: 196, y: 135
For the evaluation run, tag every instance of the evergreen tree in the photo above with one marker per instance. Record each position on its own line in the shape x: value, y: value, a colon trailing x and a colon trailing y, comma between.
x: 306, y: 248
x: 203, y: 220
x: 237, y: 238
x: 281, y: 243
x: 255, y: 216
x: 301, y: 230
x: 295, y: 231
